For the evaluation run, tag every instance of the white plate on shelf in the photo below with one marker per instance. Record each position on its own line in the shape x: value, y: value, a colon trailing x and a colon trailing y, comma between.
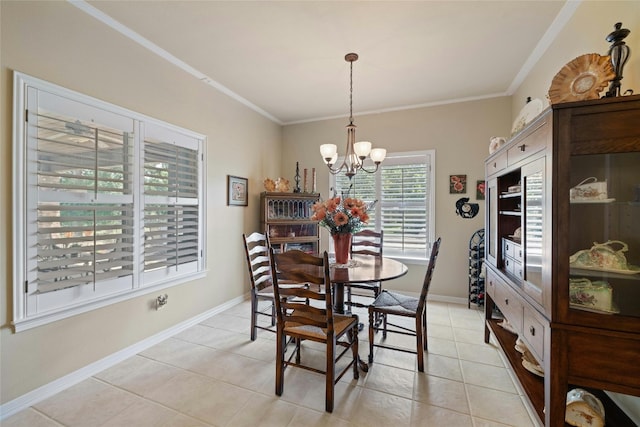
x: 609, y: 270
x: 614, y: 309
x: 579, y: 201
x: 534, y: 369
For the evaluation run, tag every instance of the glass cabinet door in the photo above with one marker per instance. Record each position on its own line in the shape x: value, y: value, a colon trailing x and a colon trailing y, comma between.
x: 534, y: 197
x: 491, y: 222
x: 604, y: 233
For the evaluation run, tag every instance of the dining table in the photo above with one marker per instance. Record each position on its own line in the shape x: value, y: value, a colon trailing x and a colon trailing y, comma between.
x: 362, y: 269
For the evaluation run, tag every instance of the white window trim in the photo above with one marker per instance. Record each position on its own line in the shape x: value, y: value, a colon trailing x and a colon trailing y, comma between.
x: 394, y: 158
x: 22, y: 320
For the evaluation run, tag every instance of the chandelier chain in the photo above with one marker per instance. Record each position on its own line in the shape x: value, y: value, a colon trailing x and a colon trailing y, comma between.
x: 351, y: 92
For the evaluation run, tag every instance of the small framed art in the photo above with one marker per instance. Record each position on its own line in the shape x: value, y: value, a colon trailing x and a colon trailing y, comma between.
x: 457, y: 184
x: 480, y: 187
x: 237, y: 191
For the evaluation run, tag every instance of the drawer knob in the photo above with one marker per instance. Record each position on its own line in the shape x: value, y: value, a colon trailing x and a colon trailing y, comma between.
x: 522, y: 147
x: 532, y: 331
x: 495, y: 164
x: 506, y: 301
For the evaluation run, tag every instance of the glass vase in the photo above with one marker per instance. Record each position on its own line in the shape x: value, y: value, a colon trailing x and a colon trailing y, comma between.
x: 342, y: 247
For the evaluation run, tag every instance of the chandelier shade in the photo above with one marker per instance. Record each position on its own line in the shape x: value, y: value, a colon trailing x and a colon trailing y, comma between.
x: 356, y: 152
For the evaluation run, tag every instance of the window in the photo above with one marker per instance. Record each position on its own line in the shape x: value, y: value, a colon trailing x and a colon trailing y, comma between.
x: 93, y: 223
x: 404, y: 189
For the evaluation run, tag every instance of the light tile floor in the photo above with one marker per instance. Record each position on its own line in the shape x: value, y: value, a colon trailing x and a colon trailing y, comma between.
x: 213, y: 375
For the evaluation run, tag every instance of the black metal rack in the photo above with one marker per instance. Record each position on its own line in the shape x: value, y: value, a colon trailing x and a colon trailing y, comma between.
x: 476, y: 276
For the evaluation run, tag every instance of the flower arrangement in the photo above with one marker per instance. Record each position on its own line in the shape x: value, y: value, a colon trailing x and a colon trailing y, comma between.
x: 342, y: 215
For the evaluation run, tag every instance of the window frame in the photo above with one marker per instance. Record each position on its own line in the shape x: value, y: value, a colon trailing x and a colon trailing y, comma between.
x: 403, y: 158
x: 32, y: 308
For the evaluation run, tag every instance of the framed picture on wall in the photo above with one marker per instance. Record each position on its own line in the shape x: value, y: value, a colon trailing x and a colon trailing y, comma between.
x: 480, y: 187
x: 457, y: 184
x: 237, y: 190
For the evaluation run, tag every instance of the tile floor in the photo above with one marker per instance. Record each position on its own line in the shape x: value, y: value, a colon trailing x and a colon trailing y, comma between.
x: 213, y: 375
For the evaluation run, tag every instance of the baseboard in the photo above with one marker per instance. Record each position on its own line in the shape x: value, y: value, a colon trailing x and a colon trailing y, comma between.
x: 35, y: 396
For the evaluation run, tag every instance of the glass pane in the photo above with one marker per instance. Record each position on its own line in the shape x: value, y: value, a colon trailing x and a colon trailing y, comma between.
x: 534, y: 199
x: 604, y: 235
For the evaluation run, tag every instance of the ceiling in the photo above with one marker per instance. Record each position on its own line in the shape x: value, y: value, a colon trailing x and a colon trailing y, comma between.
x: 285, y: 59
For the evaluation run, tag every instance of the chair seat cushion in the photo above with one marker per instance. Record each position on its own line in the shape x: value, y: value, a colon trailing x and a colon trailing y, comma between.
x: 392, y: 302
x: 340, y: 325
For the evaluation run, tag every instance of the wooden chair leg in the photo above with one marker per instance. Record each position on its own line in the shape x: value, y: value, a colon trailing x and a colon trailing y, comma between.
x: 354, y: 351
x: 424, y: 330
x: 372, y: 327
x: 330, y: 376
x: 419, y: 344
x: 254, y: 314
x: 281, y: 341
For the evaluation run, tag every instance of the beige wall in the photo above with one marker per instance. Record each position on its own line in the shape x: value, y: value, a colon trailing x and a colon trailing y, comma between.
x: 57, y: 42
x: 459, y: 133
x: 586, y: 32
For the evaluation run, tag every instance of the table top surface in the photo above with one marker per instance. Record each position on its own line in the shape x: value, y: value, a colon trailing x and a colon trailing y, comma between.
x: 368, y: 269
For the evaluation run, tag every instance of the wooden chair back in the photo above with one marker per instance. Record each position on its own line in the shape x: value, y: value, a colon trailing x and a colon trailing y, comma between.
x: 435, y: 249
x: 367, y: 242
x: 256, y: 247
x: 292, y: 307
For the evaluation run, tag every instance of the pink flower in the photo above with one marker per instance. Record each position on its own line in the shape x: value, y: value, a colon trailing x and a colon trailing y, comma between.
x: 340, y: 219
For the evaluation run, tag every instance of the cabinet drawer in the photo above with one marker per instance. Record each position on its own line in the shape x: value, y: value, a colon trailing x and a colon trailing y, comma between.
x: 533, y: 332
x: 509, y: 303
x: 490, y: 287
x: 533, y: 141
x: 514, y: 267
x: 497, y: 164
x: 512, y: 250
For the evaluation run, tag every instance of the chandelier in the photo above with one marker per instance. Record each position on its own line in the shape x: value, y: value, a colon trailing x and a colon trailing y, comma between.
x: 356, y: 152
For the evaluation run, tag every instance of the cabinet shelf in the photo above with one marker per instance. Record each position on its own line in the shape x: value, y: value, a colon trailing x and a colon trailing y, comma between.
x: 533, y: 386
x: 510, y: 195
x: 511, y: 213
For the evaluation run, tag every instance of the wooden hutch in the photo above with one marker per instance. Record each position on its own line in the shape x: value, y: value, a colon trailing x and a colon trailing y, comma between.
x: 529, y: 181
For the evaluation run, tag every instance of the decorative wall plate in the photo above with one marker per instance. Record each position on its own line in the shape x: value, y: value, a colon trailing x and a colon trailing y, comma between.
x: 582, y: 78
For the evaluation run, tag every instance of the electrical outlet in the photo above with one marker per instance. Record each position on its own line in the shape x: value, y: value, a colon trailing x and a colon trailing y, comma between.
x: 161, y: 301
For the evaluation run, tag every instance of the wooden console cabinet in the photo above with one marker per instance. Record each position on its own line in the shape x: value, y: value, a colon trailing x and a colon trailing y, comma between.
x: 532, y: 229
x: 286, y: 219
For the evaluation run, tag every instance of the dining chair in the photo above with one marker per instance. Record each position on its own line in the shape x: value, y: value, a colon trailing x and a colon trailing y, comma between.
x: 313, y: 321
x: 396, y: 304
x: 366, y: 242
x: 256, y: 247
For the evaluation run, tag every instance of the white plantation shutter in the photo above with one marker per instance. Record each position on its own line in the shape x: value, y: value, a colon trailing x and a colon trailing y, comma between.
x: 404, y: 188
x: 107, y: 202
x: 171, y: 198
x: 403, y: 206
x: 82, y: 173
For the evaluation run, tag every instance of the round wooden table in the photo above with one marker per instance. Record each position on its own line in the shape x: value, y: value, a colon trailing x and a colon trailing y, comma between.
x: 365, y: 269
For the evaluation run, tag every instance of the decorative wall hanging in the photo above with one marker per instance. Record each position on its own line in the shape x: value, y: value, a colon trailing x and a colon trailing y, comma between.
x: 466, y: 209
x: 457, y: 184
x: 237, y: 190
